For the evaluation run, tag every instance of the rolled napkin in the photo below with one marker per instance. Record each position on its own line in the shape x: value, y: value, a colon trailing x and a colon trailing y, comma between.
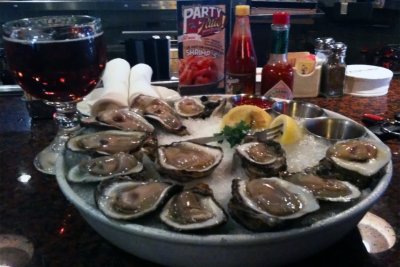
x: 140, y: 81
x: 114, y: 93
x: 166, y: 94
x: 85, y: 107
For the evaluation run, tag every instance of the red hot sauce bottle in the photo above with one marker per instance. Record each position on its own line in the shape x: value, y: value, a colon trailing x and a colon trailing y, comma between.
x: 241, y: 59
x: 277, y: 74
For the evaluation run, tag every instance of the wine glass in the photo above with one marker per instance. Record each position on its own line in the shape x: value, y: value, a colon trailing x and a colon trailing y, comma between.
x: 59, y: 59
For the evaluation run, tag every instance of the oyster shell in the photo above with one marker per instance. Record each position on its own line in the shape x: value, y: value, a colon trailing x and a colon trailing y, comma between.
x: 193, y: 209
x: 215, y: 105
x: 358, y: 161
x: 325, y: 189
x: 125, y: 199
x: 184, y: 161
x: 203, y: 107
x: 105, y: 167
x: 107, y: 142
x: 262, y: 159
x: 265, y: 203
x: 150, y: 146
x: 156, y: 109
x: 189, y: 107
x: 121, y: 119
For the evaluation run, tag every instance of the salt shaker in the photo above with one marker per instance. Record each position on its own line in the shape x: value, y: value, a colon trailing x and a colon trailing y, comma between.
x: 322, y: 49
x: 333, y: 71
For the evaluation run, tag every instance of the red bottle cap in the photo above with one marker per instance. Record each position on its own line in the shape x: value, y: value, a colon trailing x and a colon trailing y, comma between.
x: 281, y: 18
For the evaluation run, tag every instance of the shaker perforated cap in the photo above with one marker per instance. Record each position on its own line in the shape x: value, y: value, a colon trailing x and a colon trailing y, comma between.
x: 281, y: 18
x: 242, y: 10
x: 323, y: 43
x: 338, y: 48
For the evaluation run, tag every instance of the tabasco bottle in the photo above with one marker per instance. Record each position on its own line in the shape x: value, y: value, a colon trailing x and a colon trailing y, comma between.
x: 241, y: 59
x: 277, y: 74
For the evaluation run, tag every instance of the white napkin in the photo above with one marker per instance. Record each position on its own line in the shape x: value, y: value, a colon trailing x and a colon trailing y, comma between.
x: 140, y: 81
x: 85, y: 106
x: 168, y: 95
x: 121, y: 83
x: 114, y: 93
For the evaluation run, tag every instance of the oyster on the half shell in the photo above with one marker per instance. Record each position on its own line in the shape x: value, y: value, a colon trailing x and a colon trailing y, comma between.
x: 107, y: 142
x: 203, y: 107
x: 184, y: 161
x: 189, y: 107
x: 105, y: 167
x: 265, y: 203
x: 262, y: 159
x: 215, y: 105
x: 121, y: 119
x: 325, y: 189
x: 193, y: 209
x: 358, y: 161
x: 125, y: 199
x: 158, y: 110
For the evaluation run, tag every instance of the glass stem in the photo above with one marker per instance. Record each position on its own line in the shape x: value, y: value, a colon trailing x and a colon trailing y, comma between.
x: 68, y: 118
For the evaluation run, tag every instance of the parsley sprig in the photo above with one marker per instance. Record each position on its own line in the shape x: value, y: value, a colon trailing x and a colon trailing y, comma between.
x: 234, y: 135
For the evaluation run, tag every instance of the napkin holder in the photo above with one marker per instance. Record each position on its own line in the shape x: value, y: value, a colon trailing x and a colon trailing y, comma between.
x: 306, y: 85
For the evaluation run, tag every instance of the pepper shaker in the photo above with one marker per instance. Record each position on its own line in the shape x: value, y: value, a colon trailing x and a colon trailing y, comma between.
x: 333, y: 71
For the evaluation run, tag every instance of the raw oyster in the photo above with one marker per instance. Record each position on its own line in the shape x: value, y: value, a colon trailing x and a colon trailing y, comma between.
x: 353, y: 150
x: 105, y: 167
x: 184, y: 161
x: 325, y: 189
x: 107, y: 142
x: 189, y: 107
x: 156, y: 109
x: 203, y: 107
x: 265, y: 203
x: 358, y: 161
x: 193, y: 209
x: 121, y: 119
x: 262, y: 159
x: 214, y: 105
x: 125, y: 199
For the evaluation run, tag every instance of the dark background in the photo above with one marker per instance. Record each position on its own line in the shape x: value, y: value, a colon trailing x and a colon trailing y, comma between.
x: 365, y: 29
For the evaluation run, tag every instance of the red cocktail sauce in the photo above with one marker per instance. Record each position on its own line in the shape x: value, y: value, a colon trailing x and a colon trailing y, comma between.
x: 259, y: 102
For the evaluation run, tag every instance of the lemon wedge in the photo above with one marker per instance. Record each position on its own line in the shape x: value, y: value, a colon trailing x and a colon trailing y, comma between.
x: 256, y: 117
x: 291, y: 132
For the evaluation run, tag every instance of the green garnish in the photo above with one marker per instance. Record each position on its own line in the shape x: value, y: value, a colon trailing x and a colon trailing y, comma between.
x: 234, y: 135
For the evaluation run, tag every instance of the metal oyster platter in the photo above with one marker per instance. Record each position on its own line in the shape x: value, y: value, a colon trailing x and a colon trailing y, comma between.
x: 229, y: 244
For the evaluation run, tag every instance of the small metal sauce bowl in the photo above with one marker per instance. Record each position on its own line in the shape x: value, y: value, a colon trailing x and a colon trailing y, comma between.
x: 298, y: 109
x: 334, y: 129
x: 255, y: 100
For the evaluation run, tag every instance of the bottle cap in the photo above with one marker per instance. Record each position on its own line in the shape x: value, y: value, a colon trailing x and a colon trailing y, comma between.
x: 242, y: 10
x: 281, y: 18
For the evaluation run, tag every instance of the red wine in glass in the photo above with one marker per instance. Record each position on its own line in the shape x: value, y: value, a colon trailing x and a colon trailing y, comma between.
x: 62, y: 71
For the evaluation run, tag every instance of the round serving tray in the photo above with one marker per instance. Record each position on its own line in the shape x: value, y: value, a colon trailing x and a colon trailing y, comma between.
x: 232, y: 246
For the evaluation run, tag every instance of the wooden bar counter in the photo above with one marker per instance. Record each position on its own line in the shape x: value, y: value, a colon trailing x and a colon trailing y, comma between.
x: 31, y: 204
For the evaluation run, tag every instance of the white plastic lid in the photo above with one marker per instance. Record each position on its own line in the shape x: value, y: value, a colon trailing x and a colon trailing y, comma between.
x: 368, y: 72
